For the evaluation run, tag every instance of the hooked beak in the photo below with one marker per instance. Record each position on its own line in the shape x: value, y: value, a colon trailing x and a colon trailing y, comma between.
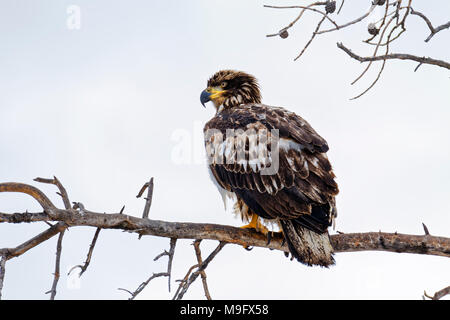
x: 205, y: 97
x: 211, y: 94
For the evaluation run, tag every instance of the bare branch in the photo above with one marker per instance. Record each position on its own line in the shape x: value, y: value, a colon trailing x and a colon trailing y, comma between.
x: 144, y: 284
x: 37, y: 194
x: 433, y: 30
x: 427, y: 233
x: 438, y: 295
x: 374, y: 54
x: 170, y: 254
x: 290, y: 25
x: 65, y: 197
x: 62, y: 190
x: 340, y: 7
x: 2, y: 272
x: 183, y: 230
x: 33, y: 242
x: 398, y: 15
x: 350, y: 22
x: 351, y: 242
x: 173, y: 242
x: 198, y: 253
x: 401, y: 56
x: 201, y: 267
x: 184, y: 280
x: 89, y: 255
x: 148, y: 200
x: 57, y: 266
x: 324, y: 14
x: 310, y: 40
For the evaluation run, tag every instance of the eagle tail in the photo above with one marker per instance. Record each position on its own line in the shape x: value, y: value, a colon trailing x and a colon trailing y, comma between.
x: 307, y: 246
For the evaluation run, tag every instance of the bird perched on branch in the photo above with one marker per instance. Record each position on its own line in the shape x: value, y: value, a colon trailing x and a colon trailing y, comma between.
x: 273, y: 164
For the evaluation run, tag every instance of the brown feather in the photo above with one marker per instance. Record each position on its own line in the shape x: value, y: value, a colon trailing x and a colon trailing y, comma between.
x: 301, y: 194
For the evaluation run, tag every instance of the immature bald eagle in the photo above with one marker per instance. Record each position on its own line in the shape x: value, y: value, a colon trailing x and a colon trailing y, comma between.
x: 273, y: 163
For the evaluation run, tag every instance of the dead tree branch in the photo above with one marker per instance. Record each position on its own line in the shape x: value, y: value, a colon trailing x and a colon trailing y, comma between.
x: 350, y: 242
x: 382, y: 33
x: 89, y: 255
x: 57, y: 266
x: 168, y: 273
x: 433, y: 30
x: 198, y: 253
x: 65, y: 197
x: 2, y: 272
x: 144, y: 284
x: 186, y: 283
x: 400, y: 56
x: 148, y: 200
x: 439, y: 294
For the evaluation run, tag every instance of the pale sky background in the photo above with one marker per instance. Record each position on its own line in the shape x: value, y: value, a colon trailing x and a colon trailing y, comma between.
x: 100, y: 108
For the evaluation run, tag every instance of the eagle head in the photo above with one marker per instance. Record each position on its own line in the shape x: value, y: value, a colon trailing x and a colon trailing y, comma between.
x: 230, y: 88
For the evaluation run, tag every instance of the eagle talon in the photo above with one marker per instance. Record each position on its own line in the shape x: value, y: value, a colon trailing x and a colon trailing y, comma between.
x: 257, y: 225
x: 269, y: 237
x: 248, y: 248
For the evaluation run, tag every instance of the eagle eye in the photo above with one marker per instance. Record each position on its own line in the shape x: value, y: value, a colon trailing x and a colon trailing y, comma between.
x: 223, y: 84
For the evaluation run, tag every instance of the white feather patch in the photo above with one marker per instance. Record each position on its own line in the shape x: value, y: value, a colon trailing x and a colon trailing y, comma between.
x: 288, y: 144
x: 224, y: 193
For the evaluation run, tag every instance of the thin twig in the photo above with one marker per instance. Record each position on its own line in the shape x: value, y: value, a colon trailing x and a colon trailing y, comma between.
x: 184, y: 280
x: 173, y: 242
x: 201, y: 268
x: 148, y: 200
x: 62, y: 190
x: 143, y: 285
x: 349, y: 23
x: 65, y: 197
x: 89, y: 255
x: 290, y: 25
x: 374, y: 54
x: 168, y: 273
x: 57, y: 266
x: 311, y: 39
x: 433, y: 30
x: 198, y: 254
x: 425, y: 229
x: 340, y: 7
x: 2, y: 272
x: 439, y: 294
x: 324, y: 14
x: 401, y: 56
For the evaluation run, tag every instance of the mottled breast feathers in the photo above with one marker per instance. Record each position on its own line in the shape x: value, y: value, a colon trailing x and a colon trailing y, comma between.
x: 304, y: 177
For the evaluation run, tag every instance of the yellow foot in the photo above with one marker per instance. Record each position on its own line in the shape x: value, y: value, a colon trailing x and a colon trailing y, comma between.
x: 257, y: 225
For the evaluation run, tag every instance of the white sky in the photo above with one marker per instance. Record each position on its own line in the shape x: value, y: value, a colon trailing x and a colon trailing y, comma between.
x: 98, y: 107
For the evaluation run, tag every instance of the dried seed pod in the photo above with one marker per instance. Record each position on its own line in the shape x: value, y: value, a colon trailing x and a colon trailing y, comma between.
x: 330, y: 6
x: 372, y: 28
x: 379, y: 2
x: 284, y: 34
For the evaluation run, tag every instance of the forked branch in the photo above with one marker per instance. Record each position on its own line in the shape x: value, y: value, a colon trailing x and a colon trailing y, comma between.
x: 383, y: 32
x: 352, y: 242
